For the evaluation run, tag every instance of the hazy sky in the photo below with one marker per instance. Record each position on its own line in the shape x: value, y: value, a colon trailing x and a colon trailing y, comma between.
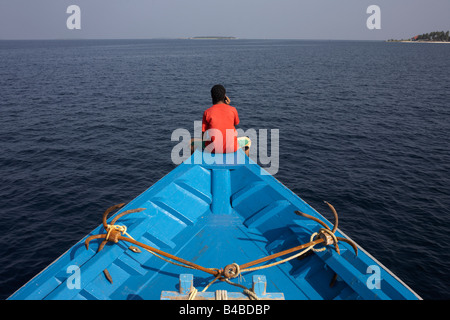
x: 253, y: 19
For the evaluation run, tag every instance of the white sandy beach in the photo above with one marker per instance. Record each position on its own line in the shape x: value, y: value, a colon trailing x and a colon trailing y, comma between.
x: 408, y: 41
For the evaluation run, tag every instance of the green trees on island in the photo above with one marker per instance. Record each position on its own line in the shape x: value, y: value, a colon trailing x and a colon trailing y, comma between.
x: 438, y: 36
x: 433, y: 36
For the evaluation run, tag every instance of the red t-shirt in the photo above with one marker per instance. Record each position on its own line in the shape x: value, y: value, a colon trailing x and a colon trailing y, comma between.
x: 219, y: 119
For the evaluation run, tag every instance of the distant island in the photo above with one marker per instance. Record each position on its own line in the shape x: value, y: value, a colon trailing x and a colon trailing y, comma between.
x: 212, y: 38
x: 432, y: 37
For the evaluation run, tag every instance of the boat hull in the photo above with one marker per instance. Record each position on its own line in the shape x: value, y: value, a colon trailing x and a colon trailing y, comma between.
x: 215, y: 210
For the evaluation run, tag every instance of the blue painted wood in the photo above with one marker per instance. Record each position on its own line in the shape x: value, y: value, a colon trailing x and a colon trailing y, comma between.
x: 221, y: 189
x: 214, y: 210
x: 259, y: 285
x: 187, y: 283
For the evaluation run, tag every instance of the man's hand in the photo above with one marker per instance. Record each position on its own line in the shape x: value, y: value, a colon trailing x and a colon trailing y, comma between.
x: 227, y: 100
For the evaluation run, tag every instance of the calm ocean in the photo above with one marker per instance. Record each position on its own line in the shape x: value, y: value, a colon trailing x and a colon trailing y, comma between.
x: 363, y: 125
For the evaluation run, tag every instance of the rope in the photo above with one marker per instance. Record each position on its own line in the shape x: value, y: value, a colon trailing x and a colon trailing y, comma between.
x: 123, y: 230
x: 192, y: 293
x: 323, y: 231
x: 221, y: 295
x: 278, y: 262
x: 252, y: 295
x: 325, y: 235
x: 118, y: 228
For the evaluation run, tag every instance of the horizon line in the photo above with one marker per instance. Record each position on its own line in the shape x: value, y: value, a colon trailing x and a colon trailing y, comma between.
x: 186, y: 38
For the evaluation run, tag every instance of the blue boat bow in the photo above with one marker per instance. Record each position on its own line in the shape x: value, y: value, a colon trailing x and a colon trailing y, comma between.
x: 215, y: 211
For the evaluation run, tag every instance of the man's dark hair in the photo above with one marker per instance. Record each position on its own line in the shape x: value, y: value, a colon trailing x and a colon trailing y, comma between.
x: 218, y: 93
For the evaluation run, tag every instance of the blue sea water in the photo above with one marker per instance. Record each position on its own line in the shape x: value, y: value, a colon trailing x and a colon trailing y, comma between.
x: 86, y: 124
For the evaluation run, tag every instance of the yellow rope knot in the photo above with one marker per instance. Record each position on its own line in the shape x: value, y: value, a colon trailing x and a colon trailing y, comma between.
x: 114, y: 231
x: 327, y: 236
x: 192, y: 293
x: 231, y: 271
